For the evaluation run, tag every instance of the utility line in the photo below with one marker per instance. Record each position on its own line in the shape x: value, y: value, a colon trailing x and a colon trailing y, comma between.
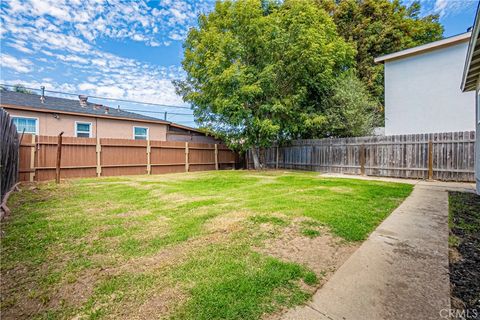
x: 161, y: 112
x: 103, y: 98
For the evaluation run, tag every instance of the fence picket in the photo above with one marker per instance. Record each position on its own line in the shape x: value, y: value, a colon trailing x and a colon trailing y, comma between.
x: 90, y: 157
x: 403, y: 156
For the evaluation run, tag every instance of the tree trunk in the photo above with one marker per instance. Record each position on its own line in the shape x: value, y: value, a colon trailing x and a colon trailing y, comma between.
x: 256, y: 160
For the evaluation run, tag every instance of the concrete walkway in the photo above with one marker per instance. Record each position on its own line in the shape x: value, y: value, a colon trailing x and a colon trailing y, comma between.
x: 400, y: 271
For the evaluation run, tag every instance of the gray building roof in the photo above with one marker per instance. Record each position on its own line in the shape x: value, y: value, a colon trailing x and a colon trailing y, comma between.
x: 60, y: 105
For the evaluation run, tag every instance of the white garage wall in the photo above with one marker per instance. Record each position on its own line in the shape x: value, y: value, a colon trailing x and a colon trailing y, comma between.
x: 422, y: 93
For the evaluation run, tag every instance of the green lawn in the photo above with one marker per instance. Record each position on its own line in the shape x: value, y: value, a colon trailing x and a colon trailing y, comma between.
x: 179, y: 246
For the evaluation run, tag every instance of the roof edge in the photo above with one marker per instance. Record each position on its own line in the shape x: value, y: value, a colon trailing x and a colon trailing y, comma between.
x: 181, y: 126
x: 471, y: 49
x: 105, y: 116
x: 425, y: 47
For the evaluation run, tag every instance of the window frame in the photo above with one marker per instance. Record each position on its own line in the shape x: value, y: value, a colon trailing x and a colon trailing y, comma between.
x: 90, y: 124
x: 147, y: 136
x: 37, y: 123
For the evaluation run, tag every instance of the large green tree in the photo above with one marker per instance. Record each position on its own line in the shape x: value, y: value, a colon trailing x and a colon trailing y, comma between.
x: 378, y: 27
x: 260, y: 71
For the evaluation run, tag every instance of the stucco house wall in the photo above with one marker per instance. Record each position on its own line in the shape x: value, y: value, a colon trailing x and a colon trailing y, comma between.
x: 471, y: 83
x: 101, y: 127
x: 477, y: 136
x: 422, y: 93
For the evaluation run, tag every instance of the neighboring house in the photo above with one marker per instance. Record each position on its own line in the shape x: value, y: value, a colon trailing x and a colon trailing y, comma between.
x: 470, y: 83
x: 44, y: 115
x: 179, y: 132
x: 421, y: 89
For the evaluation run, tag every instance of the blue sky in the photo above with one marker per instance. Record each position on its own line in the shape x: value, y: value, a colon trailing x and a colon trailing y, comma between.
x: 124, y: 49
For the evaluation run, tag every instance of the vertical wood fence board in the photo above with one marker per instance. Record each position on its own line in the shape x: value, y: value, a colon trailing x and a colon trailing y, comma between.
x: 9, y: 157
x: 403, y: 156
x: 117, y: 157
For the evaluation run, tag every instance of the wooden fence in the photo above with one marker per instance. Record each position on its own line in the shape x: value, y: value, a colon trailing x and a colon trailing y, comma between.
x: 439, y: 156
x: 91, y: 157
x: 9, y: 146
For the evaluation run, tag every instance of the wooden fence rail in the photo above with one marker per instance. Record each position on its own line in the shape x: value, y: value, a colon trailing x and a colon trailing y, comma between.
x: 440, y: 156
x: 91, y: 157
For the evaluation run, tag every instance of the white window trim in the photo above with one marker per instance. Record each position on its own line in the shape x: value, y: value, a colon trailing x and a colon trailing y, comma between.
x: 83, y: 122
x: 37, y: 123
x: 148, y: 132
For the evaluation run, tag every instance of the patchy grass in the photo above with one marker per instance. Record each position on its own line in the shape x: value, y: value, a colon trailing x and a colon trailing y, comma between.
x: 179, y: 245
x: 311, y: 233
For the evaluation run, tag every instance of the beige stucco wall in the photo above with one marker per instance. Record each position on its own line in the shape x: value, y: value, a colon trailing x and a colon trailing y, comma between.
x: 101, y: 127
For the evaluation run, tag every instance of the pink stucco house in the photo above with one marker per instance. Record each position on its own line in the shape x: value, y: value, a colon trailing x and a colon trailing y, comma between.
x: 44, y: 115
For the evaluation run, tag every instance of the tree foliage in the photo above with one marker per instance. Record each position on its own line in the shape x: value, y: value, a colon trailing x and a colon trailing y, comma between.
x: 379, y: 27
x: 21, y: 88
x: 260, y: 71
x: 352, y: 111
x: 16, y: 88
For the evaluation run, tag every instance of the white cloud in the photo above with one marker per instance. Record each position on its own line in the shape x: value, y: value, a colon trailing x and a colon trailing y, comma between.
x: 60, y: 36
x: 121, y: 19
x: 109, y: 91
x: 19, y: 65
x: 48, y: 83
x: 445, y: 8
x: 86, y: 86
x: 20, y: 46
x: 72, y: 58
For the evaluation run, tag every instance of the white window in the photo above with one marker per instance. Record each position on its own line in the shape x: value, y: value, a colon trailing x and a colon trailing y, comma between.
x: 30, y: 125
x: 83, y: 129
x: 140, y: 133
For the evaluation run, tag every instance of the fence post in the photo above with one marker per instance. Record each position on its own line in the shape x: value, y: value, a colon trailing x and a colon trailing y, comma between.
x: 149, y: 159
x: 59, y: 158
x: 216, y: 156
x: 187, y: 166
x: 276, y: 160
x: 430, y: 160
x: 99, y: 151
x: 362, y: 159
x: 32, y: 159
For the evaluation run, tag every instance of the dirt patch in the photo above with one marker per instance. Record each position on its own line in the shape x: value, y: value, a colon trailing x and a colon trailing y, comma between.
x: 229, y: 222
x: 465, y: 245
x: 76, y: 293
x: 161, y: 303
x: 33, y: 300
x: 17, y: 305
x: 169, y: 256
x: 322, y: 254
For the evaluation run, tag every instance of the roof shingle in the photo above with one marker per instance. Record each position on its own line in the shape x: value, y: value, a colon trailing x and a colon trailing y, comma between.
x: 67, y: 105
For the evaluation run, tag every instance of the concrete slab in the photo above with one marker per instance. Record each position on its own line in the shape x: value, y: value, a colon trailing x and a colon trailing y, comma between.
x: 400, y: 271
